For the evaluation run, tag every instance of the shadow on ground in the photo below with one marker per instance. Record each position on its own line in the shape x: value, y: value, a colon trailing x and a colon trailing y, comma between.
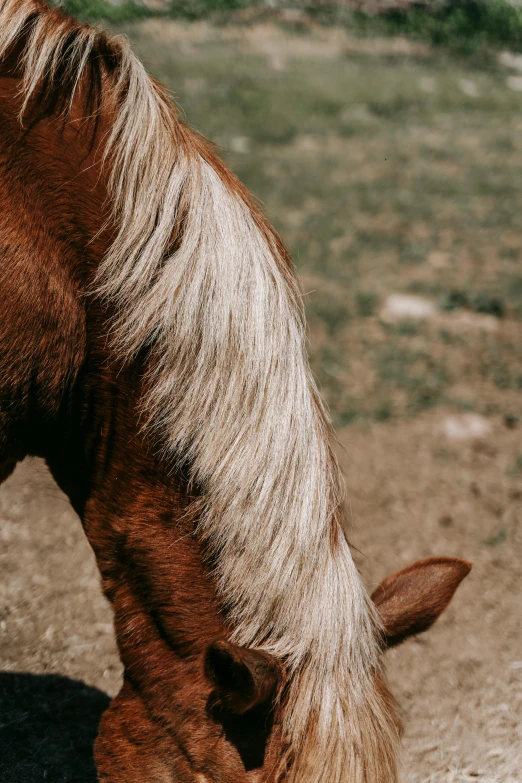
x: 48, y: 724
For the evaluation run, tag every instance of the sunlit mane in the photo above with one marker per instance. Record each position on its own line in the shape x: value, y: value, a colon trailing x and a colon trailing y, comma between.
x: 197, y: 274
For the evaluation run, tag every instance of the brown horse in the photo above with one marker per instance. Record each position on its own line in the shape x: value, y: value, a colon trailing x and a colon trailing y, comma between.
x: 152, y: 351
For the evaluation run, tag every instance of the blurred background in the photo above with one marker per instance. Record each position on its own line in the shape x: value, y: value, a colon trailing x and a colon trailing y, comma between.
x: 384, y: 139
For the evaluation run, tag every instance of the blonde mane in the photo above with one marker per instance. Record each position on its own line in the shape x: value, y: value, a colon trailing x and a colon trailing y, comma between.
x: 197, y: 274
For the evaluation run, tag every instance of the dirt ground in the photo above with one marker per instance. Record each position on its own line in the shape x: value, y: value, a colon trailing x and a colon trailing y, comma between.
x: 388, y: 169
x: 413, y: 493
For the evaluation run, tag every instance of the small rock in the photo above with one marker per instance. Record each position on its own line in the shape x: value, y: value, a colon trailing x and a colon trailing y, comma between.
x: 514, y: 83
x: 278, y: 62
x: 427, y: 84
x: 466, y: 426
x: 240, y: 144
x: 495, y: 753
x: 511, y: 60
x: 468, y: 87
x: 48, y: 635
x: 400, y: 306
x: 446, y: 520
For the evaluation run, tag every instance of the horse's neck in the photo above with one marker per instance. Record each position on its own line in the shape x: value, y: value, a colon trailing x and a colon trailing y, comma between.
x: 139, y: 518
x: 70, y: 403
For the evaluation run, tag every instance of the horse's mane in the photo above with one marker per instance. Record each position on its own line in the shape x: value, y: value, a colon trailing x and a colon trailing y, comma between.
x: 197, y: 275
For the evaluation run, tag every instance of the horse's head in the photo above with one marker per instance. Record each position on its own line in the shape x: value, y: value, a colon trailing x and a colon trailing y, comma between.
x: 243, y: 683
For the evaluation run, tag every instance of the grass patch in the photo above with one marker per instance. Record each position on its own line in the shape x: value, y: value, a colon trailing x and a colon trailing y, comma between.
x: 451, y: 338
x: 415, y: 372
x: 497, y: 538
x: 366, y: 303
x: 463, y: 26
x: 94, y: 10
x: 407, y: 328
x: 384, y: 411
x: 460, y: 25
x: 513, y: 285
x: 332, y: 314
x: 501, y: 362
x: 479, y: 302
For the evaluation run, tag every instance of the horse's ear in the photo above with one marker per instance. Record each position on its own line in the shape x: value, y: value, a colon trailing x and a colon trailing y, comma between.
x: 243, y: 678
x: 410, y: 600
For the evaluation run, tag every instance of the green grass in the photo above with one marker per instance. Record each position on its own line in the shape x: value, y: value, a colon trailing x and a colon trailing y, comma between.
x: 478, y: 302
x: 461, y: 25
x: 424, y: 379
x: 94, y: 10
x: 497, y: 538
x: 464, y: 26
x: 366, y: 303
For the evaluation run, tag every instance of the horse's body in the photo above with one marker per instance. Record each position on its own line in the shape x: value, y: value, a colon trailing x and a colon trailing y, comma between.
x: 190, y: 709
